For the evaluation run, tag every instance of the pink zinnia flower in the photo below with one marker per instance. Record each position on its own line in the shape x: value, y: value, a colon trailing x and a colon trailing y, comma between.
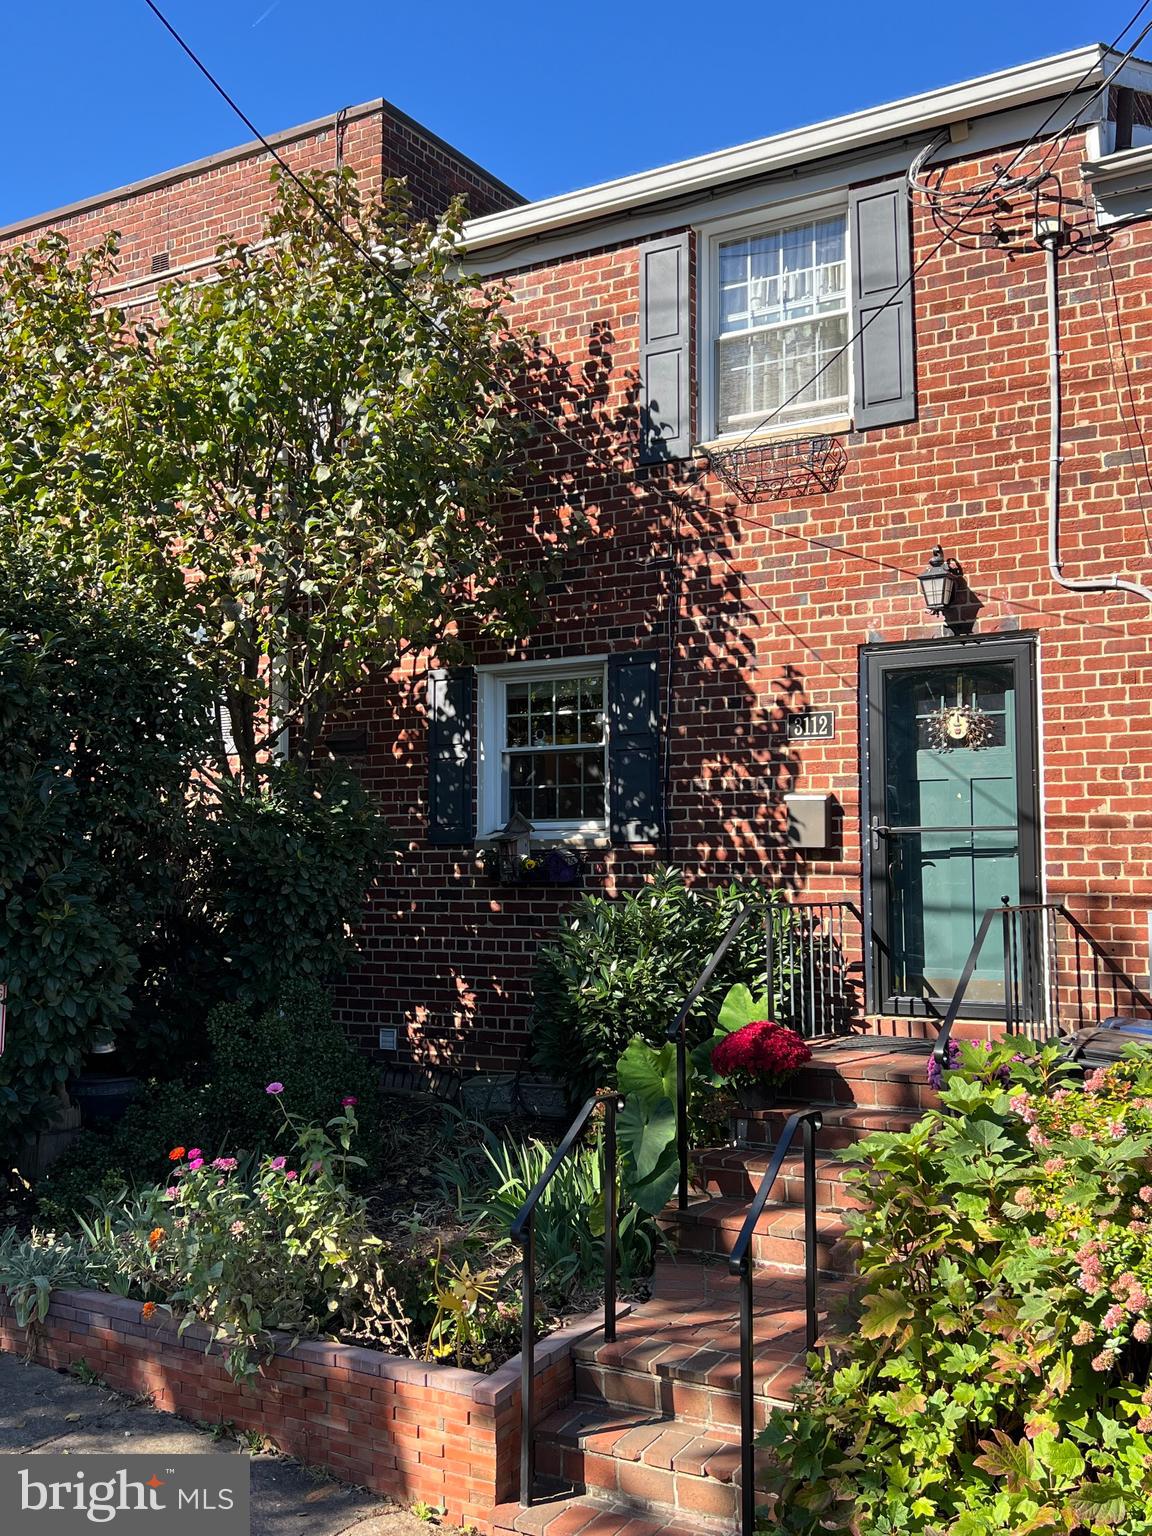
x: 225, y: 1164
x: 172, y: 1191
x: 196, y: 1163
x: 274, y: 1088
x: 346, y: 1103
x: 278, y: 1163
x: 195, y: 1152
x: 291, y: 1174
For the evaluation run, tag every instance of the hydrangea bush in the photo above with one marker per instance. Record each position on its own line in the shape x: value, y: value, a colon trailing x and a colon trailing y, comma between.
x: 995, y: 1377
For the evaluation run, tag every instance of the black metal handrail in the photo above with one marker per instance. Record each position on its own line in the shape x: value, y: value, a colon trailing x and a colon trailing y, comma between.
x: 740, y: 1263
x: 523, y: 1231
x: 677, y: 1031
x: 1032, y: 961
x: 810, y: 951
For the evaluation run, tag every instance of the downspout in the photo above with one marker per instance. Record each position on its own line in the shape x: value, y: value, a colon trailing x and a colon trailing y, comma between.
x: 1051, y: 236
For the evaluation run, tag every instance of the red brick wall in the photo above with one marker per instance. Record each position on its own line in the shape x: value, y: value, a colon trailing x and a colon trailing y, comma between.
x: 411, y: 1430
x: 775, y: 600
x: 190, y: 211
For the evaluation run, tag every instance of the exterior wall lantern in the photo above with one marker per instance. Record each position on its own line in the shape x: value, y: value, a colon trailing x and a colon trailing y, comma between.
x: 939, y: 582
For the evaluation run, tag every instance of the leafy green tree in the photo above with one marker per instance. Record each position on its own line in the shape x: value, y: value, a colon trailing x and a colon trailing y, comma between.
x: 309, y: 457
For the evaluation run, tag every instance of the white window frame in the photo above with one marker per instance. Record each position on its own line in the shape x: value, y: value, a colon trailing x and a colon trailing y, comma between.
x: 491, y: 719
x: 709, y: 239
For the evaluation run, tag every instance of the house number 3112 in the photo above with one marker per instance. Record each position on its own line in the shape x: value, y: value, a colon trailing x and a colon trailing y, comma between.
x: 815, y: 725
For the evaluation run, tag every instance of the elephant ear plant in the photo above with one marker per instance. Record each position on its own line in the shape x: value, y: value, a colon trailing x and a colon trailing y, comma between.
x: 646, y: 1079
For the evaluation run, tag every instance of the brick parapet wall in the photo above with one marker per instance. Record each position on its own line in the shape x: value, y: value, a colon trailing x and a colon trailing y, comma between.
x: 187, y: 213
x: 411, y: 1430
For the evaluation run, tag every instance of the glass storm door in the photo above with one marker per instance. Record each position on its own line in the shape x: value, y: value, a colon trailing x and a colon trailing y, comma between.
x: 951, y: 828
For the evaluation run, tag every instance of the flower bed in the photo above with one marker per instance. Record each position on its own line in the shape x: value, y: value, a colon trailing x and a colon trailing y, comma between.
x: 409, y: 1429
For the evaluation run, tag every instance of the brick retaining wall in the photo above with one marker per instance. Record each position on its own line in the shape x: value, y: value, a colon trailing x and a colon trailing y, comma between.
x: 404, y: 1428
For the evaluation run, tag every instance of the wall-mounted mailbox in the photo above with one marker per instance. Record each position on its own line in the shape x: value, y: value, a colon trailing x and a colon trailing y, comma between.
x: 809, y: 820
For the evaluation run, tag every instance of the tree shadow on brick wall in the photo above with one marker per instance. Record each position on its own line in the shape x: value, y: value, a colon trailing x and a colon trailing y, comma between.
x: 658, y: 563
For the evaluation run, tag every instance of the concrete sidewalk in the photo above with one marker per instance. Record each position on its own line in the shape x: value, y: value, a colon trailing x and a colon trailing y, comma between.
x: 42, y: 1410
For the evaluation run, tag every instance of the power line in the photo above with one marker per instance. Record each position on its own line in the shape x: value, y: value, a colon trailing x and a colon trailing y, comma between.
x: 337, y: 223
x: 950, y: 232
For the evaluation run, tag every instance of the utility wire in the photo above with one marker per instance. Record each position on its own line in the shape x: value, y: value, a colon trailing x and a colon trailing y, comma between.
x: 338, y: 225
x: 950, y: 232
x: 555, y: 426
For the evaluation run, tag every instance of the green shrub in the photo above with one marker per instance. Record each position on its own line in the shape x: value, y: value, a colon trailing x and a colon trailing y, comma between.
x: 281, y: 876
x: 295, y: 1042
x: 998, y: 1377
x: 101, y: 722
x: 623, y: 967
x: 103, y: 1163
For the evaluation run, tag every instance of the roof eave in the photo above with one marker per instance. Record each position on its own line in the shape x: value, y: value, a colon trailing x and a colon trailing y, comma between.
x: 998, y: 92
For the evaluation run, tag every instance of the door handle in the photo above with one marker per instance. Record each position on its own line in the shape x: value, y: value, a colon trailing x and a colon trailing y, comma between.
x: 878, y: 831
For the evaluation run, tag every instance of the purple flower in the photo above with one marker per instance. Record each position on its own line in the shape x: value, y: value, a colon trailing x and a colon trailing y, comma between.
x: 225, y: 1164
x: 172, y: 1191
x: 197, y: 1162
x: 934, y: 1072
x: 290, y: 1175
x: 195, y: 1152
x: 274, y: 1088
x: 278, y: 1163
x: 345, y: 1103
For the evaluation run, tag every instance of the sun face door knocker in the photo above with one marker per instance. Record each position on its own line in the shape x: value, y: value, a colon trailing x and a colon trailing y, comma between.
x: 959, y: 725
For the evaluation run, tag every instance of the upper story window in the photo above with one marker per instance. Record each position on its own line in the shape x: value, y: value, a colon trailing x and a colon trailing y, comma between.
x: 780, y: 307
x: 544, y: 745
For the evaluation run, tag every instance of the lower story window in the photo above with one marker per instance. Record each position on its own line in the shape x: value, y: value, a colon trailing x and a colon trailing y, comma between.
x: 544, y: 742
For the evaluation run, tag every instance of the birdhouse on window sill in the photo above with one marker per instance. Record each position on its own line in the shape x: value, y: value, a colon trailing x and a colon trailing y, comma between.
x: 513, y: 846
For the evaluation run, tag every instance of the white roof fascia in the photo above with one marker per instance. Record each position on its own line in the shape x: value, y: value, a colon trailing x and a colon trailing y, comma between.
x: 932, y: 109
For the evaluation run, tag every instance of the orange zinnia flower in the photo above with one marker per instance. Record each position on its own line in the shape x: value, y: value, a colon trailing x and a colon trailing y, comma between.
x: 155, y: 1237
x: 147, y: 1310
x: 176, y: 1154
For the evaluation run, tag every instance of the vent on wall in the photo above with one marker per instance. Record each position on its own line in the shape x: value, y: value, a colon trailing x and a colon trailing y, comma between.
x: 161, y: 261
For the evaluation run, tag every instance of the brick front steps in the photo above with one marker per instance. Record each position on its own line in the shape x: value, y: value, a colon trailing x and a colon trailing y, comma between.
x: 650, y: 1445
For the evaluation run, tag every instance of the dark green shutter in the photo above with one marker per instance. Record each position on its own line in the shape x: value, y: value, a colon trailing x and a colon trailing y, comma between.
x: 665, y: 324
x: 635, y: 814
x: 884, y: 362
x: 450, y: 818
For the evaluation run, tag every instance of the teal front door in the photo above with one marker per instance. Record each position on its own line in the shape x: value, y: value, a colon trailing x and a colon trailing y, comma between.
x: 951, y: 829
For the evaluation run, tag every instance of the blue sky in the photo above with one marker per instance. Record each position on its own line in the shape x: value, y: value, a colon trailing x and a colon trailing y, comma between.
x: 547, y: 96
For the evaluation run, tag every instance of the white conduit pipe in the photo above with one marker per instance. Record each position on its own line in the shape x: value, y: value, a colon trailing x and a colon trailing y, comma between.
x: 1051, y: 241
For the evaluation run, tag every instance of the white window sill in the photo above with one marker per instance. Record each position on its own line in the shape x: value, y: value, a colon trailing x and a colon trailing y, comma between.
x: 829, y: 426
x: 543, y: 839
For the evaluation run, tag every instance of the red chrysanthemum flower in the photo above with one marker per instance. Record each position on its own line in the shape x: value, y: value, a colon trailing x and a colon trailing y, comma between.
x: 762, y: 1048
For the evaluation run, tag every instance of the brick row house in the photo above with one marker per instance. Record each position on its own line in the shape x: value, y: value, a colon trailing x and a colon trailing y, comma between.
x: 793, y: 374
x: 799, y: 376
